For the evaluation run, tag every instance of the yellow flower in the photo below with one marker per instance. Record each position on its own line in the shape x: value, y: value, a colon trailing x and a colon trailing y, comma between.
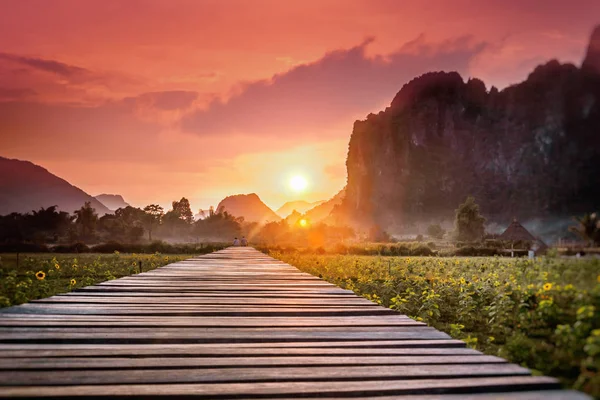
x: 56, y: 266
x: 463, y: 281
x: 547, y: 286
x: 73, y: 282
x: 40, y: 275
x: 598, y: 278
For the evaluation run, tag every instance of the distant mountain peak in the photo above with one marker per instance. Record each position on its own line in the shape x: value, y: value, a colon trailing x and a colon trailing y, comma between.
x: 112, y: 201
x: 25, y: 186
x: 301, y: 206
x: 249, y: 206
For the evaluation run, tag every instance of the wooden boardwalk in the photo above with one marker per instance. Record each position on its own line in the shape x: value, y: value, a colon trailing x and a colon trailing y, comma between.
x: 239, y: 324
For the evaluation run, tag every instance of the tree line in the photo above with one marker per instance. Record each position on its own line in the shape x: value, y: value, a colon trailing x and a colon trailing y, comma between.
x: 127, y: 225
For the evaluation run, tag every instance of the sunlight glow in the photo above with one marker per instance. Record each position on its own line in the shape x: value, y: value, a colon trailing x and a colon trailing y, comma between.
x: 298, y: 183
x: 302, y: 222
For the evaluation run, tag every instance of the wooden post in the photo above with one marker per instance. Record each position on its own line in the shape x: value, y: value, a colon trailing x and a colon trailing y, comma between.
x: 389, y: 267
x: 140, y: 266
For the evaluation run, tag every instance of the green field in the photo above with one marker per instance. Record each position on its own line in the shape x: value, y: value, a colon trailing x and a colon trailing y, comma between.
x: 543, y: 314
x: 45, y: 274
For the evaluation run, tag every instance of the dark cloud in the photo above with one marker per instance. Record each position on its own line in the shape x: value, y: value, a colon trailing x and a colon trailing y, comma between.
x: 15, y: 94
x: 52, y: 66
x: 312, y: 97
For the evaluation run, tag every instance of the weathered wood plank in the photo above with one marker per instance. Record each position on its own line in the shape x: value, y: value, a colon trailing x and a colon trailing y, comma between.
x: 294, y: 389
x: 207, y: 335
x: 44, y: 320
x: 255, y: 374
x: 205, y: 312
x: 364, y: 348
x: 538, y: 395
x: 37, y: 363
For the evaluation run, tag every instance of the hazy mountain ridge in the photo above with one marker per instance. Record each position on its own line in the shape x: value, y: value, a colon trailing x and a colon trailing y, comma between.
x: 249, y: 206
x: 112, y: 201
x: 322, y: 212
x: 25, y: 186
x: 530, y: 150
x: 299, y: 205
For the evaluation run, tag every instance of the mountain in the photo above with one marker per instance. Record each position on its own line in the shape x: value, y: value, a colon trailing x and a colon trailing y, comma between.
x: 25, y: 186
x: 529, y: 151
x: 112, y: 201
x: 592, y: 58
x: 248, y: 206
x: 301, y: 206
x: 322, y: 211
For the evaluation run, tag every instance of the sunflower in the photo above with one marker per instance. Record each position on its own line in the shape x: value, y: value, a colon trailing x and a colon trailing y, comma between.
x: 40, y: 275
x: 73, y: 282
x: 547, y: 286
x: 56, y: 266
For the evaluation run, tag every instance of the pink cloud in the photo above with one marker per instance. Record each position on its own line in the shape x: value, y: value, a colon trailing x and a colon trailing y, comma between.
x: 340, y: 86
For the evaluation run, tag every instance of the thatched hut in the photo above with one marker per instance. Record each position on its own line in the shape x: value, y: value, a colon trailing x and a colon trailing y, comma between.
x: 517, y: 233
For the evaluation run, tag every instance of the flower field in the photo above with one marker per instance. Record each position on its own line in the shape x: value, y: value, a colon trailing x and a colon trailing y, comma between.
x: 42, y: 275
x: 543, y: 314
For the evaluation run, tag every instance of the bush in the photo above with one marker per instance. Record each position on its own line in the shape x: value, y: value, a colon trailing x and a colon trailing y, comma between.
x: 24, y: 248
x: 109, y: 247
x: 72, y: 248
x: 422, y: 251
x: 436, y: 231
x: 469, y: 251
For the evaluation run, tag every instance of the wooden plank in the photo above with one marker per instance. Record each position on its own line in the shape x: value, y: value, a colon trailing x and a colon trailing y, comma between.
x: 202, y: 323
x: 292, y: 389
x: 255, y: 374
x: 199, y: 301
x: 206, y: 312
x: 207, y: 335
x: 538, y: 395
x: 366, y: 348
x: 195, y: 322
x: 37, y: 363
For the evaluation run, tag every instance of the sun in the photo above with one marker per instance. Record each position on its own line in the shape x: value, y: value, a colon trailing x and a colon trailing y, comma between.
x: 298, y: 183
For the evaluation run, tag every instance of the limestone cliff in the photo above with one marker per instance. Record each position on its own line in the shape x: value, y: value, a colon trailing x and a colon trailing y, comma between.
x: 530, y: 150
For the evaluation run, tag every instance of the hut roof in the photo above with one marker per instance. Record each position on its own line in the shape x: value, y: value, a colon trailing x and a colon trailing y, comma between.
x: 516, y: 231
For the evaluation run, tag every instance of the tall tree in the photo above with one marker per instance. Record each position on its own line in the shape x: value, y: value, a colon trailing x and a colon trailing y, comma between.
x: 183, y: 210
x: 48, y: 222
x: 126, y: 224
x: 588, y: 228
x: 469, y: 223
x: 218, y: 226
x: 154, y: 214
x: 86, y: 219
x: 436, y: 231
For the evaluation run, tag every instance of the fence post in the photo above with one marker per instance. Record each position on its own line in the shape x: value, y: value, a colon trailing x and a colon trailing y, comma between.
x: 140, y: 266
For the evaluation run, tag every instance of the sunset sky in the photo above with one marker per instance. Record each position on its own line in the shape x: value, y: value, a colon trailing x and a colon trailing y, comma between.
x: 159, y: 99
